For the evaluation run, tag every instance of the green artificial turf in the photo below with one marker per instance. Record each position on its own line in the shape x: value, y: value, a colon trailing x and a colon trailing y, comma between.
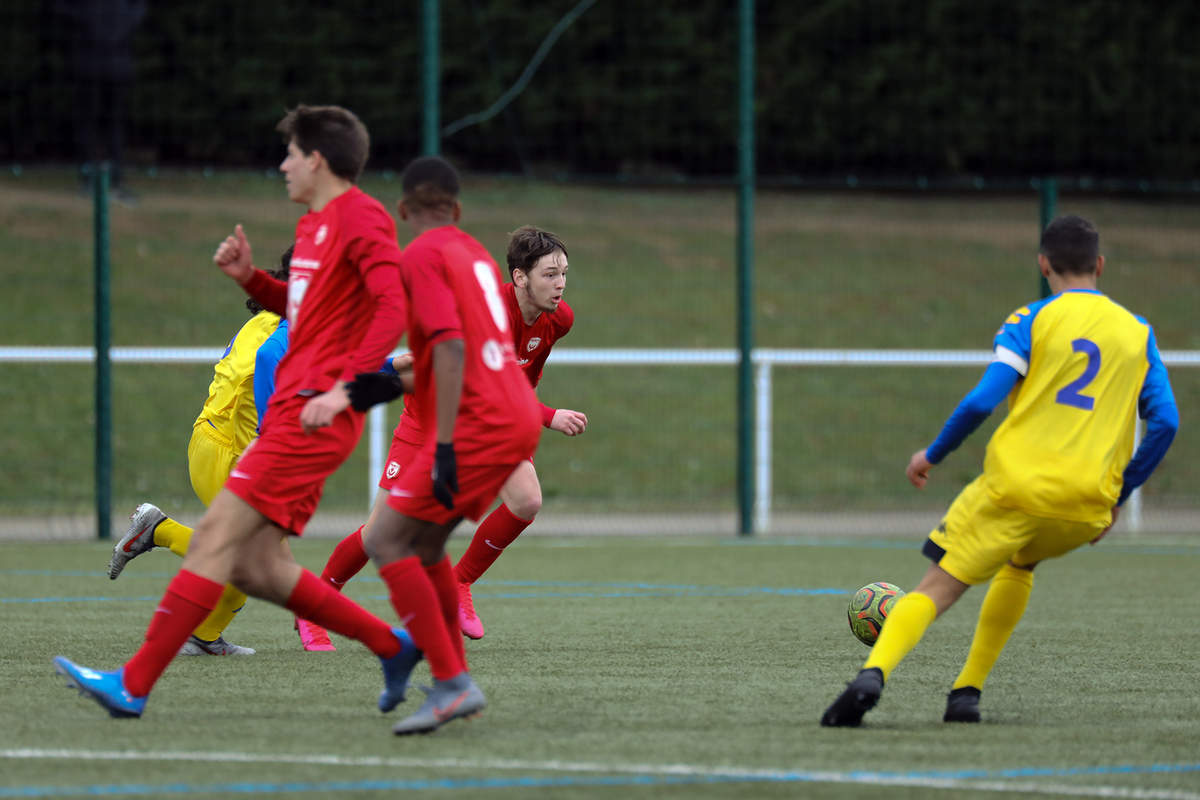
x: 633, y: 667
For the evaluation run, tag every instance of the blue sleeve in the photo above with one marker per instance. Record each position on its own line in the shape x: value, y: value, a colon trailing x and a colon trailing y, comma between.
x: 269, y: 354
x: 997, y: 381
x: 388, y: 368
x: 1156, y: 405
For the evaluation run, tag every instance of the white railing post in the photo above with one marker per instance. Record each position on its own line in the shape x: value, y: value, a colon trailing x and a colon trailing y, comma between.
x: 762, y: 446
x: 376, y: 432
x: 1134, y: 518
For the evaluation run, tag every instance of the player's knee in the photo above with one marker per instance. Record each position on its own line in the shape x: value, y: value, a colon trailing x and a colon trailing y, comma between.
x: 526, y: 507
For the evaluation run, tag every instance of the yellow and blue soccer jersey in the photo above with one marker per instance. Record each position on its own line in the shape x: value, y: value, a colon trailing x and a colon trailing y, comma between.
x: 1087, y: 368
x: 230, y: 412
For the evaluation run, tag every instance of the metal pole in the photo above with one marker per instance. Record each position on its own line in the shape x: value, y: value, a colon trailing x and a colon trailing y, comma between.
x: 430, y: 78
x: 103, y: 338
x: 745, y: 266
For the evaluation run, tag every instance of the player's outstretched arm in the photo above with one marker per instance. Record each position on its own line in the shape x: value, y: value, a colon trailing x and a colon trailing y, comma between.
x: 566, y: 421
x: 234, y: 257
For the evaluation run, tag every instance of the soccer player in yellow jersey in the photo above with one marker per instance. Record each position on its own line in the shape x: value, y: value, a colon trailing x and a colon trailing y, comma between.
x: 1076, y: 368
x: 226, y: 426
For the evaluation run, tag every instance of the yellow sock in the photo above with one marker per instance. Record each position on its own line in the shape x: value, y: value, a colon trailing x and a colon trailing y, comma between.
x: 219, y: 618
x: 1001, y: 611
x: 174, y: 535
x: 904, y: 628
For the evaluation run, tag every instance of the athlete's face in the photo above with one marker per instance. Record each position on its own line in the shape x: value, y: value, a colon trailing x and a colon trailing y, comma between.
x: 546, y: 281
x: 299, y: 172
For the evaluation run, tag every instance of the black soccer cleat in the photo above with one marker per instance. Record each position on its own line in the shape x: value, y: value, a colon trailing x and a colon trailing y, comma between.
x: 859, y: 697
x: 962, y: 705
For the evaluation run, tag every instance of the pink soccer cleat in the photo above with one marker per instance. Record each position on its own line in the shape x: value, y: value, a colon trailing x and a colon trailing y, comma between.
x: 313, y: 636
x: 471, y: 626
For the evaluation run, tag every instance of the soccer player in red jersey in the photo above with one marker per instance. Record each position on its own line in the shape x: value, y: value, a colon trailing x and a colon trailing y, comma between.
x: 482, y: 423
x: 346, y: 306
x: 538, y: 317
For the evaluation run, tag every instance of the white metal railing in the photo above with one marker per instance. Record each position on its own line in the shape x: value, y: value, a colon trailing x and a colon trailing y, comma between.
x: 764, y: 359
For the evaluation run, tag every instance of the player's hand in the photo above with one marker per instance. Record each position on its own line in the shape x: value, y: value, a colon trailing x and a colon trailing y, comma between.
x: 233, y: 256
x: 445, y: 474
x: 1115, y: 513
x: 918, y: 469
x: 572, y: 423
x: 372, y: 388
x: 320, y: 410
x: 403, y: 362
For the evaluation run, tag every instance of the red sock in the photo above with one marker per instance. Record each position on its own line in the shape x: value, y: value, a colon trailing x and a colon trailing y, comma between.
x: 441, y: 575
x: 498, y: 531
x: 416, y: 601
x: 346, y: 560
x: 316, y: 601
x: 188, y: 600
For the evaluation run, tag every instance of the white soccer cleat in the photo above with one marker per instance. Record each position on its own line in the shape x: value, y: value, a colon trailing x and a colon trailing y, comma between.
x: 138, y: 538
x: 196, y: 646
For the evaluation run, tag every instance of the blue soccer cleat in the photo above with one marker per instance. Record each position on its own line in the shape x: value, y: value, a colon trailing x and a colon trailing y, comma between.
x: 396, y: 671
x: 106, y: 688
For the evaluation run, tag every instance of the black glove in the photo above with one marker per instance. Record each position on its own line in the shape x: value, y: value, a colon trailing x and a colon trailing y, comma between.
x: 372, y: 388
x: 445, y: 474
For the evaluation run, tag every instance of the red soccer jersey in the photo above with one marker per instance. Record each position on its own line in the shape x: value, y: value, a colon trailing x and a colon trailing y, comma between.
x: 453, y: 288
x: 345, y: 301
x: 533, y: 341
x: 532, y: 344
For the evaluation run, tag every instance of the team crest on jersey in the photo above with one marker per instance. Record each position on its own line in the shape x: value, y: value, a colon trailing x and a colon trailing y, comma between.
x: 533, y: 343
x: 393, y: 469
x: 322, y: 232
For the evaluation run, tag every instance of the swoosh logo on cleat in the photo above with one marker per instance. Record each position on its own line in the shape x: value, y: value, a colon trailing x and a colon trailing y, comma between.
x: 133, y: 539
x: 446, y: 712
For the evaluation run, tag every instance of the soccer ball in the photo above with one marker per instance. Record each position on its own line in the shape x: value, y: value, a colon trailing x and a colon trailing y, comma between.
x: 869, y: 609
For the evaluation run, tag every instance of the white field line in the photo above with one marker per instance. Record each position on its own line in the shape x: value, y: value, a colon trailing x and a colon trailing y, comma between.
x: 666, y: 770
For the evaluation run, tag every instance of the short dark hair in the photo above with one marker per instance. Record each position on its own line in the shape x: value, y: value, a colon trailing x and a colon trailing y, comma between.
x: 332, y: 131
x: 527, y: 244
x: 430, y: 183
x: 1071, y: 244
x: 285, y: 266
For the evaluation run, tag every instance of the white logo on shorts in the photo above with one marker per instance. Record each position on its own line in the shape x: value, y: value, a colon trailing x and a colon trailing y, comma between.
x: 393, y: 469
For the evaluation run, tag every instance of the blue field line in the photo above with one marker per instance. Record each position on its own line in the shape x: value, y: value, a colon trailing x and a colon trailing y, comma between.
x: 142, y: 599
x: 936, y: 779
x: 557, y: 590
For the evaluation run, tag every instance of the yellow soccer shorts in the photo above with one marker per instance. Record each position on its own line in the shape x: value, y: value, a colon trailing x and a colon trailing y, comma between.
x: 977, y: 536
x: 210, y: 460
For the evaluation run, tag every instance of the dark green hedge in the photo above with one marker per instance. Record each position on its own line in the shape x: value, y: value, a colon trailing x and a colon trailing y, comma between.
x: 870, y: 87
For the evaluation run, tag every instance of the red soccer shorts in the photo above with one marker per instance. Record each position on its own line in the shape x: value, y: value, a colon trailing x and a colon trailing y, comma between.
x: 283, y: 472
x: 411, y: 493
x: 399, y: 456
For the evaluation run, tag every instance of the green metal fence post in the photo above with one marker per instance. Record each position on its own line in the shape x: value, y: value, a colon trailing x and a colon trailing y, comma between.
x: 103, y: 337
x: 430, y: 78
x: 745, y: 267
x: 1048, y: 204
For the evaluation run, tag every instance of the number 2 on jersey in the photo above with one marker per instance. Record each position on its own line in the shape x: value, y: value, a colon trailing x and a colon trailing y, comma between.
x: 1070, y: 395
